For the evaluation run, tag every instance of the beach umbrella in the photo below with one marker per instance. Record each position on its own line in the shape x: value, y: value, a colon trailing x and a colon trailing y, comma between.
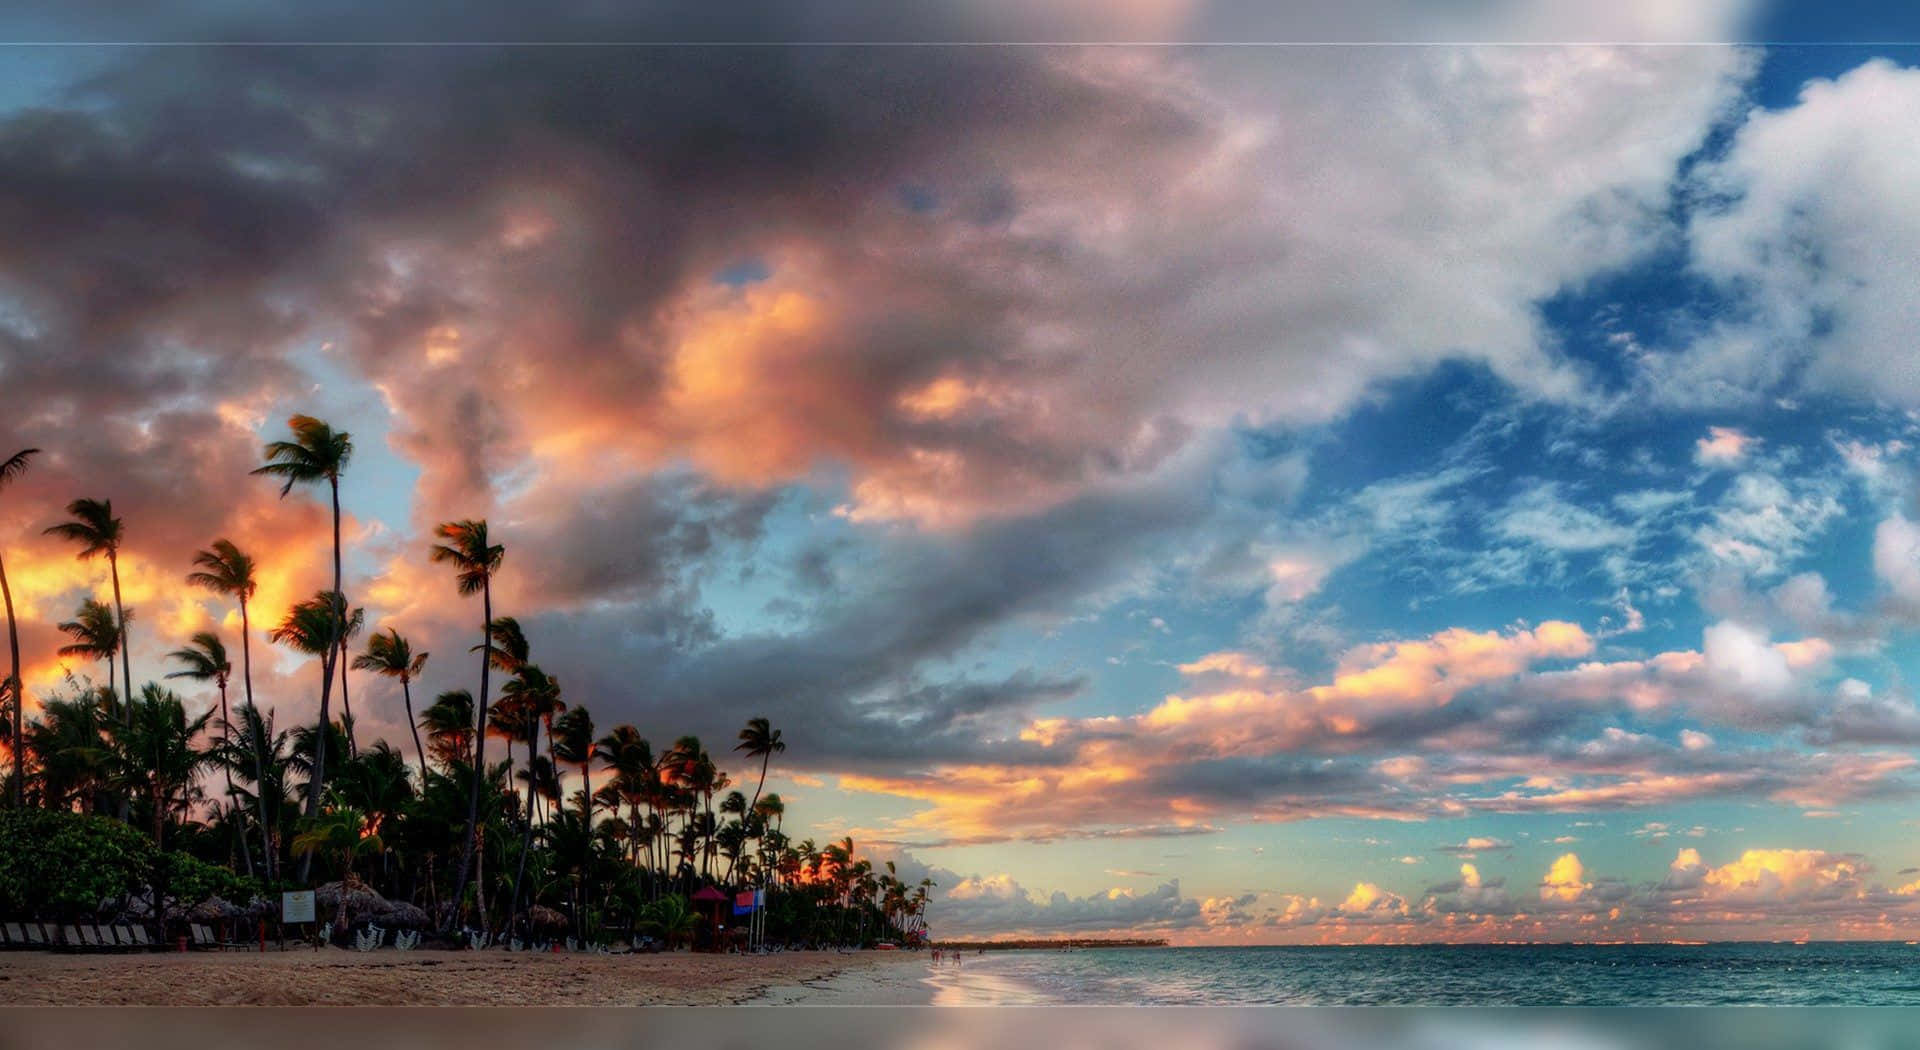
x: 215, y: 909
x: 360, y: 900
x: 543, y: 917
x: 403, y: 915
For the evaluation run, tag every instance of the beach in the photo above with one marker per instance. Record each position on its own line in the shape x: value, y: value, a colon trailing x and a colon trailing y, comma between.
x: 338, y: 977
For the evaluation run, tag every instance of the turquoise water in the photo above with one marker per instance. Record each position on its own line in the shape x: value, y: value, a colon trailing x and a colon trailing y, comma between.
x: 1824, y: 974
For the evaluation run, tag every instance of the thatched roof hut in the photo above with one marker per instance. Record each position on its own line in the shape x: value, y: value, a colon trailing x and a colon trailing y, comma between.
x: 402, y: 915
x: 215, y: 909
x: 545, y: 918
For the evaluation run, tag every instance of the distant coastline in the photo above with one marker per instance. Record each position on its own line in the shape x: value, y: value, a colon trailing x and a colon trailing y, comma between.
x: 1044, y: 943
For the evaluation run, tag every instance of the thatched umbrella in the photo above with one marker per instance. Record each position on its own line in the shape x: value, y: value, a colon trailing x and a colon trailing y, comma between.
x: 541, y: 917
x: 262, y: 908
x: 353, y: 900
x: 403, y: 915
x: 215, y: 909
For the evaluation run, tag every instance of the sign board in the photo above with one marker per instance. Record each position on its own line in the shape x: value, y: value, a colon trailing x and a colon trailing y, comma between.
x: 296, y: 906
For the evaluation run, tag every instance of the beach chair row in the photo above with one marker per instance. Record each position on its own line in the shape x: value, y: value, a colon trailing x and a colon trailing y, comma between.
x: 77, y: 937
x: 103, y: 937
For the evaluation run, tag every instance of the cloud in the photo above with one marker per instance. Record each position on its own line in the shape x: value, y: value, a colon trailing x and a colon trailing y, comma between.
x: 1804, y: 220
x: 1723, y: 446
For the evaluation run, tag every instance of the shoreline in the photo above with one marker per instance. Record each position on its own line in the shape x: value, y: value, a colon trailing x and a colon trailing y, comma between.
x: 341, y: 977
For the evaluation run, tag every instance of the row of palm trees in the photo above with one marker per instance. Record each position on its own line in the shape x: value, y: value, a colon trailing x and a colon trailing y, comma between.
x: 655, y: 826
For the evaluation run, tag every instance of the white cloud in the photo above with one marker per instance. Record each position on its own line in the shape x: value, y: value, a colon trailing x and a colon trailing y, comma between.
x: 1723, y: 446
x: 1817, y: 237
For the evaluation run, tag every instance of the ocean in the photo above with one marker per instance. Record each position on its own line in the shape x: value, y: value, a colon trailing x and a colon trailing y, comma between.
x: 1733, y: 974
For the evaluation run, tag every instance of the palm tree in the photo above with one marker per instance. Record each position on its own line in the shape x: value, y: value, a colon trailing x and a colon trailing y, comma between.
x: 570, y: 738
x: 390, y: 656
x: 355, y: 620
x: 206, y: 660
x: 313, y: 627
x: 95, y: 633
x: 98, y: 532
x: 534, y: 697
x: 261, y: 755
x: 10, y: 471
x: 227, y: 570
x: 344, y: 833
x: 156, y: 755
x: 449, y: 724
x: 68, y: 739
x: 760, y: 740
x: 475, y: 560
x: 316, y: 454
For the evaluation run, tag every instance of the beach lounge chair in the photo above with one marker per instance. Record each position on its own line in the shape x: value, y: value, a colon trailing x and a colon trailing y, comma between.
x: 89, y: 937
x: 103, y: 933
x: 141, y: 940
x: 15, y: 934
x: 37, y: 936
x: 123, y: 938
x: 202, y: 938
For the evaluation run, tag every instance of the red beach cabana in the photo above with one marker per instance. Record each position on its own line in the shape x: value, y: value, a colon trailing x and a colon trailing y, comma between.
x: 712, y: 904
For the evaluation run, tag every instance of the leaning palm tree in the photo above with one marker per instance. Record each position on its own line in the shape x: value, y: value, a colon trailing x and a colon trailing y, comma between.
x: 98, y: 532
x: 475, y: 560
x: 760, y: 740
x: 95, y: 633
x: 390, y: 656
x: 205, y: 660
x: 10, y: 471
x: 311, y: 627
x: 317, y: 453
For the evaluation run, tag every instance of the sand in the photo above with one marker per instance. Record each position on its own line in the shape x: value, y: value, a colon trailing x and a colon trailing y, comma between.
x: 340, y: 977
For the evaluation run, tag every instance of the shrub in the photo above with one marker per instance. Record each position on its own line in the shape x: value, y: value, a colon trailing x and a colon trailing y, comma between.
x: 58, y: 864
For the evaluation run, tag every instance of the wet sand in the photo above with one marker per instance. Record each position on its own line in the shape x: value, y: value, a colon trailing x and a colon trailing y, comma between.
x: 339, y: 977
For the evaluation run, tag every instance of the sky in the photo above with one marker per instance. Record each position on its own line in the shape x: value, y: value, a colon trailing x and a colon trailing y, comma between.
x: 1456, y: 482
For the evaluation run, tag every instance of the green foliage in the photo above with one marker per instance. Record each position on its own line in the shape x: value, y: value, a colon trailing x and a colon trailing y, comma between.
x: 56, y: 864
x: 190, y: 880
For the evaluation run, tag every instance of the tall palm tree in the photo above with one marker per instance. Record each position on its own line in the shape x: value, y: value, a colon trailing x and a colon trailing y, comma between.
x: 225, y: 569
x: 571, y: 740
x: 313, y: 627
x: 390, y: 656
x: 95, y: 633
x: 98, y: 532
x: 317, y: 453
x: 10, y: 471
x: 535, y: 697
x: 205, y: 660
x: 760, y: 740
x: 475, y: 559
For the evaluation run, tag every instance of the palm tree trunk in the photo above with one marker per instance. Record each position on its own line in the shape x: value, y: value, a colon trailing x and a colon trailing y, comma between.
x: 226, y: 728
x: 126, y: 661
x: 317, y: 784
x: 19, y: 693
x: 406, y: 696
x: 259, y: 774
x: 479, y: 744
x: 346, y: 703
x: 319, y: 781
x: 526, y: 837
